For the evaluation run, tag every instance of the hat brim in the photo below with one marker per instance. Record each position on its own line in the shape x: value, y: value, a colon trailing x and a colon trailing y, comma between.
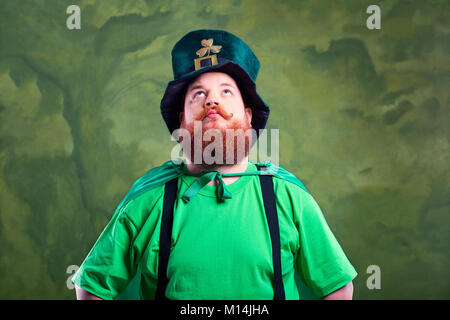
x: 172, y: 102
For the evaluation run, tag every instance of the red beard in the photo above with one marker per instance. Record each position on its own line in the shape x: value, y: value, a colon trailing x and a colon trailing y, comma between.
x: 234, y: 146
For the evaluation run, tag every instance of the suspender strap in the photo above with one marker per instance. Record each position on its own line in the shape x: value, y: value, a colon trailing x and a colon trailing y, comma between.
x: 270, y: 206
x: 170, y: 194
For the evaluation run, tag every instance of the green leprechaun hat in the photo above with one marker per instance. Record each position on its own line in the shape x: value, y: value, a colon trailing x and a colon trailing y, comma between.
x: 203, y: 51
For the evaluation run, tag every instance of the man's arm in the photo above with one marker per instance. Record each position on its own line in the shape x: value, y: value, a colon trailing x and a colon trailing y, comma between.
x: 85, y: 295
x: 344, y: 293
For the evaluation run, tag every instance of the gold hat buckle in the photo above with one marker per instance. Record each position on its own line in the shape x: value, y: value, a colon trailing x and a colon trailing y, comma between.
x: 207, y: 48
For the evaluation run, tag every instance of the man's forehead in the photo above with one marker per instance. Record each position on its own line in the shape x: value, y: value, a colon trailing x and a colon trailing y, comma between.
x: 212, y: 78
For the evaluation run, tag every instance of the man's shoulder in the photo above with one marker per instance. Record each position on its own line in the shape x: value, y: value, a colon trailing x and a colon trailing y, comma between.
x: 286, y: 179
x: 148, y: 189
x: 156, y: 177
x: 289, y: 189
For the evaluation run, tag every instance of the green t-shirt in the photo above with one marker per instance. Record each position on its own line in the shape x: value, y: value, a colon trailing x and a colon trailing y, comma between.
x: 220, y: 249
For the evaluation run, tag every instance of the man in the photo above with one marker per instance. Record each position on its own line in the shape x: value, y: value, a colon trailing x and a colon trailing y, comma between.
x: 217, y: 226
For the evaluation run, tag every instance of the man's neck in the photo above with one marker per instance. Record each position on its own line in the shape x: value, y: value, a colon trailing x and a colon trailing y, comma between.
x: 233, y: 168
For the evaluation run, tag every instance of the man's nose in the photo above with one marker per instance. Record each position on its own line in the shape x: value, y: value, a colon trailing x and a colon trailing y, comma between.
x: 211, y: 101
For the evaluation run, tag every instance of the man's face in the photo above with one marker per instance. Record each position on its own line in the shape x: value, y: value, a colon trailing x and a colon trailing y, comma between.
x: 218, y: 94
x: 215, y: 101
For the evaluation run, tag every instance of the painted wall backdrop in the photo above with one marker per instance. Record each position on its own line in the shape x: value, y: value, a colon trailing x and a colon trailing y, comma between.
x: 363, y: 118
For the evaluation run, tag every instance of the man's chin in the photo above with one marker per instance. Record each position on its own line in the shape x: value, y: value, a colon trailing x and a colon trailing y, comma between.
x: 214, y: 123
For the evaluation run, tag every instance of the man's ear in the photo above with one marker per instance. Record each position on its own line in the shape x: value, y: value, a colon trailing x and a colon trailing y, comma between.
x: 248, y: 112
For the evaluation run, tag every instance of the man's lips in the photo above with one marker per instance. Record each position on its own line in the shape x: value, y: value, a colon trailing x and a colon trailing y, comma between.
x: 212, y: 114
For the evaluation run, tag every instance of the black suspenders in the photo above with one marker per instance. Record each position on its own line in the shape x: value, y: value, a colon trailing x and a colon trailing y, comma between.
x: 270, y: 207
x: 170, y: 193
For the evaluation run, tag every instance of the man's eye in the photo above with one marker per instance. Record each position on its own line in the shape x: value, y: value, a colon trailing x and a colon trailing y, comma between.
x: 199, y: 94
x: 227, y: 92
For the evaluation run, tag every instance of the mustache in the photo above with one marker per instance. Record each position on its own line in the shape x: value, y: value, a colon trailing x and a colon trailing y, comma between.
x: 226, y: 115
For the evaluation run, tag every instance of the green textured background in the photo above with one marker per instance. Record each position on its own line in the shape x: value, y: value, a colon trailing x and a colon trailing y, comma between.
x: 363, y: 118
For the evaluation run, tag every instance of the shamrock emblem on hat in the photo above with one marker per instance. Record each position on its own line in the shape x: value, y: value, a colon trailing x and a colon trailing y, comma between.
x: 207, y: 47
